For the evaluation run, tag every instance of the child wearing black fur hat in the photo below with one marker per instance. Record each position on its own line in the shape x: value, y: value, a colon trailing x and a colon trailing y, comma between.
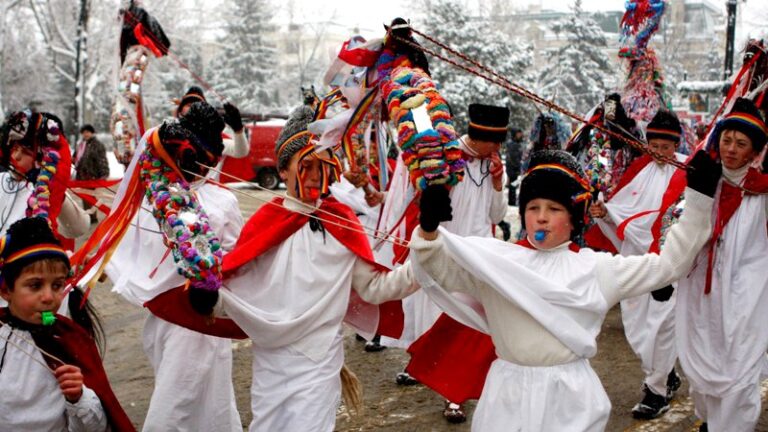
x: 64, y: 387
x: 722, y: 304
x: 193, y: 371
x: 543, y: 300
x: 637, y: 204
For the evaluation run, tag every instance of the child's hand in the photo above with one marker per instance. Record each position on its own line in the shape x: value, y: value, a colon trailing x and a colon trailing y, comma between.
x: 70, y: 381
x: 497, y: 171
x: 598, y: 210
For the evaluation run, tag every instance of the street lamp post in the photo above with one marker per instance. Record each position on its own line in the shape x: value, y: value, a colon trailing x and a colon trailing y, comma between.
x: 730, y: 36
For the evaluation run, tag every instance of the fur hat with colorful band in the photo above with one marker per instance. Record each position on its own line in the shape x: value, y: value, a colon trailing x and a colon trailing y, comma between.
x: 665, y: 125
x: 28, y: 240
x: 488, y: 122
x: 556, y: 175
x: 745, y: 118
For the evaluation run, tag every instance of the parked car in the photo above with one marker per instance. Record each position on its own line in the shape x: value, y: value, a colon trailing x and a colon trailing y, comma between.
x: 261, y: 163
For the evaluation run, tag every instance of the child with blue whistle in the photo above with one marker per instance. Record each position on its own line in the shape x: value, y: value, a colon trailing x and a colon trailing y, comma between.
x: 543, y: 300
x: 51, y: 374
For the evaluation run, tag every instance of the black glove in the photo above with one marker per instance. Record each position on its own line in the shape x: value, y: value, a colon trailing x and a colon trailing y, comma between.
x: 232, y: 117
x: 202, y: 300
x: 435, y: 207
x: 663, y: 294
x: 703, y: 173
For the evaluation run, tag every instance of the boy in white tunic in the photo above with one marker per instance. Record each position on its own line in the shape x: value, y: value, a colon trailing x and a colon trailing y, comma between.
x: 722, y: 304
x: 631, y: 220
x: 478, y: 201
x: 193, y: 371
x: 301, y: 264
x: 37, y: 392
x: 543, y: 302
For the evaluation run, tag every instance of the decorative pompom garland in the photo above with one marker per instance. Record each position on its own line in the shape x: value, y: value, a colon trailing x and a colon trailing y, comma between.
x: 432, y: 156
x: 186, y: 230
x: 127, y: 114
x: 39, y: 202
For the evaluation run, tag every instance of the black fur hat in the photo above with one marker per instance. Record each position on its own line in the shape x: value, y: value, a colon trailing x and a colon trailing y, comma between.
x: 745, y: 118
x: 665, y: 125
x: 557, y: 176
x: 206, y: 126
x: 488, y: 122
x: 194, y: 94
x: 22, y: 235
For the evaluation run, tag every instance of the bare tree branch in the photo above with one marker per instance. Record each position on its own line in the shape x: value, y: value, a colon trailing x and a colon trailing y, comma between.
x: 67, y: 41
x: 64, y: 73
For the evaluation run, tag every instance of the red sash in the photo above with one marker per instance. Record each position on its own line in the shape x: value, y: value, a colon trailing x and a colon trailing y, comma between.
x: 270, y: 226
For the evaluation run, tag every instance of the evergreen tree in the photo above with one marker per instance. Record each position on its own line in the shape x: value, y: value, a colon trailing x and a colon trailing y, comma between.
x: 577, y: 72
x: 245, y: 71
x: 448, y: 23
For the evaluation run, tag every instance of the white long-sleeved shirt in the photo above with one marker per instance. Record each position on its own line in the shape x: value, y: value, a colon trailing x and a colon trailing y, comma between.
x: 73, y: 221
x: 297, y: 293
x: 31, y: 399
x: 521, y: 339
x: 477, y: 206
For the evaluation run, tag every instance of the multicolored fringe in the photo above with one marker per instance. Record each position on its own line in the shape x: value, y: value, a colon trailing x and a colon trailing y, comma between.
x: 432, y: 156
x: 644, y: 88
x: 39, y: 202
x: 187, y: 232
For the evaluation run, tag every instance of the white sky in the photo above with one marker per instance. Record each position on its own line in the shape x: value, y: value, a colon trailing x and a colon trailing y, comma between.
x: 369, y: 15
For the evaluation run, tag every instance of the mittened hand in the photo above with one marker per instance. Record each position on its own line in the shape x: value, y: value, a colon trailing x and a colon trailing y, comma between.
x: 663, y: 294
x: 703, y: 173
x: 202, y: 300
x: 232, y: 117
x: 435, y: 207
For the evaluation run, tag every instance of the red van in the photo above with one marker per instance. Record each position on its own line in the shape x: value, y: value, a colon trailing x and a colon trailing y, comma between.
x: 261, y: 163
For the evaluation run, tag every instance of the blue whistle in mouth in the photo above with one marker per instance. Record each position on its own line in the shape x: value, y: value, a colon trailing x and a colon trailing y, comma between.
x: 540, y: 235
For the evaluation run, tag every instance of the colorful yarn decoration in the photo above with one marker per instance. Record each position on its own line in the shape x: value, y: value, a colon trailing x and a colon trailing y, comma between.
x: 187, y: 232
x: 39, y: 202
x: 598, y: 166
x: 432, y: 156
x: 644, y: 88
x: 670, y: 217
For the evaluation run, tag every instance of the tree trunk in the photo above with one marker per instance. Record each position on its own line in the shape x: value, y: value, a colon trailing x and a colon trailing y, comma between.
x: 81, y: 61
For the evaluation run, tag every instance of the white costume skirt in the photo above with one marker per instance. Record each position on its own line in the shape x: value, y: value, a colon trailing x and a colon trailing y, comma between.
x: 193, y: 380
x: 650, y: 329
x: 290, y: 392
x: 567, y: 397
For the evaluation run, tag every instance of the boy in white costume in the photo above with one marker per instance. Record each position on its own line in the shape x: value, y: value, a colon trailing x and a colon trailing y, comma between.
x: 543, y: 302
x: 193, y: 371
x: 722, y: 315
x: 301, y: 264
x: 631, y: 220
x: 479, y: 203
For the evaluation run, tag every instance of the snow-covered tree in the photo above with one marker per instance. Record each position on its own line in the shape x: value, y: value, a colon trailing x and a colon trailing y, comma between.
x: 245, y: 70
x: 447, y: 23
x: 576, y: 74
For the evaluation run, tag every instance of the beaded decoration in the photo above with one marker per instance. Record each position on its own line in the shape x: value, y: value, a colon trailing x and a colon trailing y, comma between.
x: 186, y: 230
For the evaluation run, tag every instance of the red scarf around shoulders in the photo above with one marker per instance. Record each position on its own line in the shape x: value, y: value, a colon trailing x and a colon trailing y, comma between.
x: 270, y: 226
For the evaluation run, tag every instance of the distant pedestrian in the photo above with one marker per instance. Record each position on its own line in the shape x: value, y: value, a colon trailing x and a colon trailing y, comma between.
x: 90, y: 160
